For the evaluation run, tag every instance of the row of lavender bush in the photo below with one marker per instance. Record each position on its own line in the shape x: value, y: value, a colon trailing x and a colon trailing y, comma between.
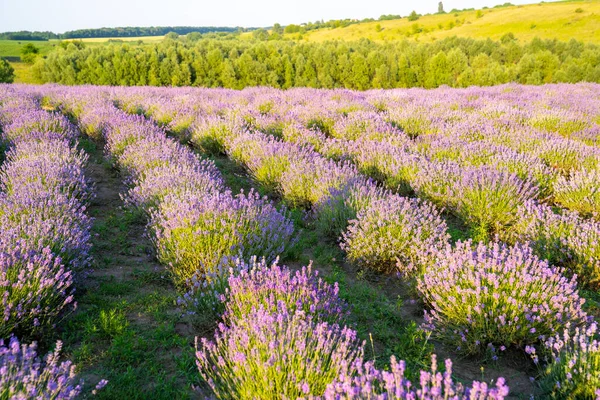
x: 194, y: 221
x: 263, y: 298
x: 496, y: 186
x: 283, y: 335
x: 537, y: 302
x: 487, y: 158
x: 471, y: 305
x: 44, y: 242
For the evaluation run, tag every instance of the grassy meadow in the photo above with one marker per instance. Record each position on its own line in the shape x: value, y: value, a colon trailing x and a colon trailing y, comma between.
x: 560, y: 20
x: 11, y: 50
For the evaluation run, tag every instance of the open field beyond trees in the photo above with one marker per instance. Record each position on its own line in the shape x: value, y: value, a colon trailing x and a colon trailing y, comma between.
x: 562, y: 20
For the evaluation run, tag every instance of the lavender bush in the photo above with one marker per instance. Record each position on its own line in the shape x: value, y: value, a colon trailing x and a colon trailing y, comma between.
x: 266, y: 158
x: 503, y: 296
x: 52, y: 220
x: 311, y: 181
x: 488, y: 200
x: 395, y: 167
x: 565, y: 156
x: 193, y: 233
x: 333, y: 213
x: 562, y: 239
x: 544, y: 230
x: 124, y: 130
x: 24, y: 376
x: 35, y: 290
x: 140, y: 158
x: 584, y: 245
x: 174, y: 179
x: 572, y: 363
x: 32, y: 120
x: 43, y: 166
x: 438, y: 182
x: 372, y: 383
x: 273, y: 355
x: 581, y: 192
x: 264, y: 286
x: 210, y: 134
x: 297, y: 134
x: 395, y: 233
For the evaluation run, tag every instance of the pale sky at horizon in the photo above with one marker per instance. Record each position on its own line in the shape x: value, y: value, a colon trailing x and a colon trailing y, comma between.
x: 63, y: 15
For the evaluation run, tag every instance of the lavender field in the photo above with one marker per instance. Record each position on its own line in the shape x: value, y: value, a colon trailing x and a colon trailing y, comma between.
x: 316, y: 244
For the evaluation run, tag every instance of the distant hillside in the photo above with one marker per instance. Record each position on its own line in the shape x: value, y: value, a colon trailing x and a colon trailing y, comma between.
x: 122, y: 32
x: 559, y: 20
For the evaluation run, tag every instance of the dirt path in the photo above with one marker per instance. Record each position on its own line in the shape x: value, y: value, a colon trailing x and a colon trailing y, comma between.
x: 128, y: 328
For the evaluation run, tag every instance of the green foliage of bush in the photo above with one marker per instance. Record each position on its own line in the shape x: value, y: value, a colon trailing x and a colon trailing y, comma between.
x: 413, y: 16
x: 7, y: 72
x: 29, y: 52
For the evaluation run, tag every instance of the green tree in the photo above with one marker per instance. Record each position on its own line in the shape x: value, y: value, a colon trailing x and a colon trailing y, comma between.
x: 29, y: 52
x: 438, y: 71
x: 278, y: 29
x: 72, y: 44
x: 214, y: 58
x: 172, y: 35
x: 292, y: 28
x: 7, y: 72
x: 361, y: 64
x: 260, y: 34
x: 508, y: 38
x: 457, y: 64
x: 413, y: 16
x: 228, y: 76
x: 193, y: 36
x: 361, y: 78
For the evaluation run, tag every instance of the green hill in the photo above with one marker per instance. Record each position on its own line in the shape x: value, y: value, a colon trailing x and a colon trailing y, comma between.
x: 559, y: 20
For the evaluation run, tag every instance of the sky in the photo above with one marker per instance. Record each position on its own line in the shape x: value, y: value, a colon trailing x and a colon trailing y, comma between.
x: 63, y: 15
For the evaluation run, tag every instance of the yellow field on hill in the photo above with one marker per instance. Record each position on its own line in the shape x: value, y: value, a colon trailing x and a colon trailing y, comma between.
x: 561, y: 20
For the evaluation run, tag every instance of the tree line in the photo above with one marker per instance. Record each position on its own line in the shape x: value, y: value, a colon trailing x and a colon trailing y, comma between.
x: 234, y: 63
x: 28, y: 35
x: 131, y: 31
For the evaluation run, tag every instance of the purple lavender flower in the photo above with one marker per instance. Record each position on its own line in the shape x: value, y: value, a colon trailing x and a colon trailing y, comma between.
x: 270, y: 355
x: 45, y: 166
x: 260, y: 285
x: 497, y: 294
x: 24, y: 376
x: 580, y: 192
x: 36, y: 120
x: 372, y: 383
x: 35, y: 289
x: 563, y: 239
x: 150, y: 190
x: 395, y: 233
x: 572, y: 369
x: 193, y: 233
x: 52, y: 220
